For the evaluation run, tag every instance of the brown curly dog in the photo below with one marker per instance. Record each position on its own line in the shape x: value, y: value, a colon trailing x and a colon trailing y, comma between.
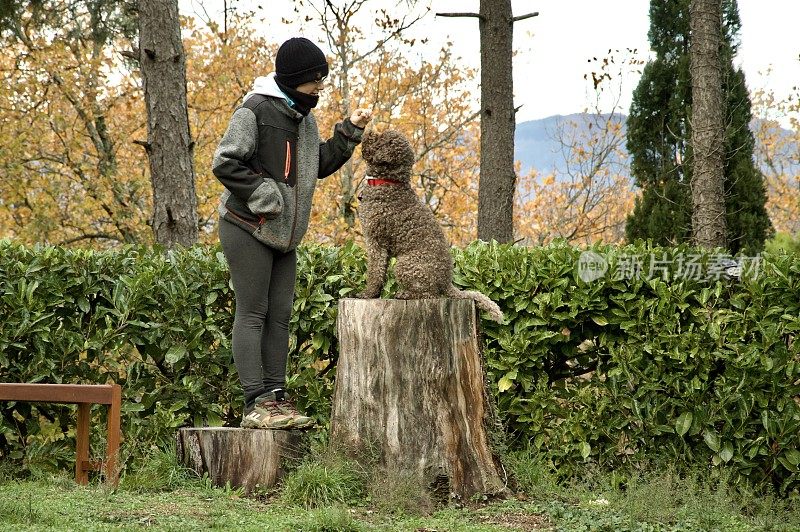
x: 397, y: 224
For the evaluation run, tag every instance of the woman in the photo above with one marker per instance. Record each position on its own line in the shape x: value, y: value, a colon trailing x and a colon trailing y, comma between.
x: 269, y: 161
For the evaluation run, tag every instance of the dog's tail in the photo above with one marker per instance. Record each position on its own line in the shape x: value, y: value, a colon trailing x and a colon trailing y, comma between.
x: 481, y: 301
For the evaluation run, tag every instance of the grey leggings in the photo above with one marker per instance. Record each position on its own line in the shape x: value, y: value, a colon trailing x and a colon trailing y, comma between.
x: 263, y: 282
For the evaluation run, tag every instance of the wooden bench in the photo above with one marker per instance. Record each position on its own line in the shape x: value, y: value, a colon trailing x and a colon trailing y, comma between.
x: 84, y: 395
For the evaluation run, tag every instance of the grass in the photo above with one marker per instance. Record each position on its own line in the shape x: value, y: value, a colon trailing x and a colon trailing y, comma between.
x: 649, y: 497
x: 397, y: 492
x: 54, y: 505
x: 325, y: 481
x: 161, y: 472
x: 329, y: 493
x: 328, y: 478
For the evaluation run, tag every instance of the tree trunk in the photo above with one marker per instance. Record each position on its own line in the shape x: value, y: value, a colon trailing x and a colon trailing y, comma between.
x: 708, y: 199
x: 410, y: 392
x: 245, y: 458
x: 497, y: 176
x: 169, y: 144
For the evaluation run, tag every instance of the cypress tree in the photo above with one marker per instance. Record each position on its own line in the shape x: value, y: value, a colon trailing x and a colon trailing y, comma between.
x: 659, y: 138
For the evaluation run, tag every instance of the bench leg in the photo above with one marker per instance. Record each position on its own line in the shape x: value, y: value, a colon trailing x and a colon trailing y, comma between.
x: 82, y: 444
x: 113, y: 437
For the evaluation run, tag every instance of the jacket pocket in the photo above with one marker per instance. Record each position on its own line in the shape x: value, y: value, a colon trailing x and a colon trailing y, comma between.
x: 278, y: 153
x: 266, y: 200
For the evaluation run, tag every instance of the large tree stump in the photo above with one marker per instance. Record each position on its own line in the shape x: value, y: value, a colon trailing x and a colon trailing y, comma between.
x: 245, y: 458
x: 410, y: 391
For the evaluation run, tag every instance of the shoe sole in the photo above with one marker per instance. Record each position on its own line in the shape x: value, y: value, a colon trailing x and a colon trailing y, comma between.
x: 292, y: 422
x: 267, y: 427
x: 304, y: 424
x: 250, y: 423
x: 279, y: 427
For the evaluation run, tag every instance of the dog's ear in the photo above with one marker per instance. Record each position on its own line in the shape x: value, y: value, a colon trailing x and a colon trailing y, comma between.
x: 369, y: 145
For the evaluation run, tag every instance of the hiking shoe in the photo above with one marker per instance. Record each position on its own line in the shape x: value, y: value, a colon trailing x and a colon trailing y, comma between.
x: 283, y: 410
x: 266, y: 415
x: 299, y: 421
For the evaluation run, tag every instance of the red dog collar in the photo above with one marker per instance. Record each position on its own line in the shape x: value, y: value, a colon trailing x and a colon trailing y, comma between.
x: 373, y: 181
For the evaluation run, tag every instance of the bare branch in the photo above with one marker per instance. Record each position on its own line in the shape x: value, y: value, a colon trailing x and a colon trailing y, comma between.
x: 474, y: 15
x: 456, y: 128
x: 523, y: 17
x: 394, y: 34
x: 99, y: 236
x: 133, y: 55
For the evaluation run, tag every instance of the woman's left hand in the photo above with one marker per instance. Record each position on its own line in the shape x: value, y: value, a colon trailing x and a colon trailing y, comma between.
x: 361, y: 117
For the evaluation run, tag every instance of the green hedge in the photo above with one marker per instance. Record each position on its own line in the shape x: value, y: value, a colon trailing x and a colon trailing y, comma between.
x: 610, y: 371
x: 701, y: 371
x: 158, y: 324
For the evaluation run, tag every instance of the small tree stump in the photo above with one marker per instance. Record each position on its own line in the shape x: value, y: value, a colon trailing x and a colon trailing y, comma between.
x: 410, y: 391
x: 245, y: 458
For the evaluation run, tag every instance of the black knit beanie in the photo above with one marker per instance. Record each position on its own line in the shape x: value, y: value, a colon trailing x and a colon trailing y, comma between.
x: 299, y: 61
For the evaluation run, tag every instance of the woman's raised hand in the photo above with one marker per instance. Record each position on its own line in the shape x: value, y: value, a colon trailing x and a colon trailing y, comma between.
x: 361, y: 117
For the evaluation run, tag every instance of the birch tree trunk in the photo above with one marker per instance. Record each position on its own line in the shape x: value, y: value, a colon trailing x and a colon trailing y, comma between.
x: 169, y: 144
x: 410, y: 391
x: 708, y: 197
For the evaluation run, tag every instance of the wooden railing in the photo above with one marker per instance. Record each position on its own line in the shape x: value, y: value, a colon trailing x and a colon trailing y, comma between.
x: 84, y: 395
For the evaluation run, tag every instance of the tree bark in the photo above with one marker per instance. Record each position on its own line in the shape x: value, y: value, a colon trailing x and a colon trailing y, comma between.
x: 245, y: 458
x: 708, y: 198
x: 410, y: 392
x: 169, y: 144
x: 497, y: 177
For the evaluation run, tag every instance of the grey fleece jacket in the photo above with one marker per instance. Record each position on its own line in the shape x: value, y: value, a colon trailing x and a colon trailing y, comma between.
x: 269, y: 161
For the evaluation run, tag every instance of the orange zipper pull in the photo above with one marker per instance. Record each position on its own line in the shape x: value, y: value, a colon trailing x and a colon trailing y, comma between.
x: 288, y: 162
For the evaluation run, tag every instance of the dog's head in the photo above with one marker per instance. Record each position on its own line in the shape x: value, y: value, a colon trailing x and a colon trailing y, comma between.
x: 388, y: 155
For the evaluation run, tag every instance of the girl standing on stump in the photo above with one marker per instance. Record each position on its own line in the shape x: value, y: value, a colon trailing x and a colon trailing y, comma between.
x: 269, y: 161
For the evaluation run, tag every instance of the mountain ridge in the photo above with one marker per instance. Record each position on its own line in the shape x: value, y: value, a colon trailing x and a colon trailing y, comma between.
x: 536, y: 145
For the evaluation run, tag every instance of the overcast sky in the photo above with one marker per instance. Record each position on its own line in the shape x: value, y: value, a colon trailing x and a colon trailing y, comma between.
x: 553, y: 48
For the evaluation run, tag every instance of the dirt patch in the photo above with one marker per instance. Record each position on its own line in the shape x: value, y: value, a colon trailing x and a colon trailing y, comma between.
x: 518, y: 521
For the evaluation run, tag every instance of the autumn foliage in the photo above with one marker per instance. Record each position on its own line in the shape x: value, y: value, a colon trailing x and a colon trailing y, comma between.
x: 587, y: 198
x: 70, y: 169
x: 74, y: 173
x: 778, y: 155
